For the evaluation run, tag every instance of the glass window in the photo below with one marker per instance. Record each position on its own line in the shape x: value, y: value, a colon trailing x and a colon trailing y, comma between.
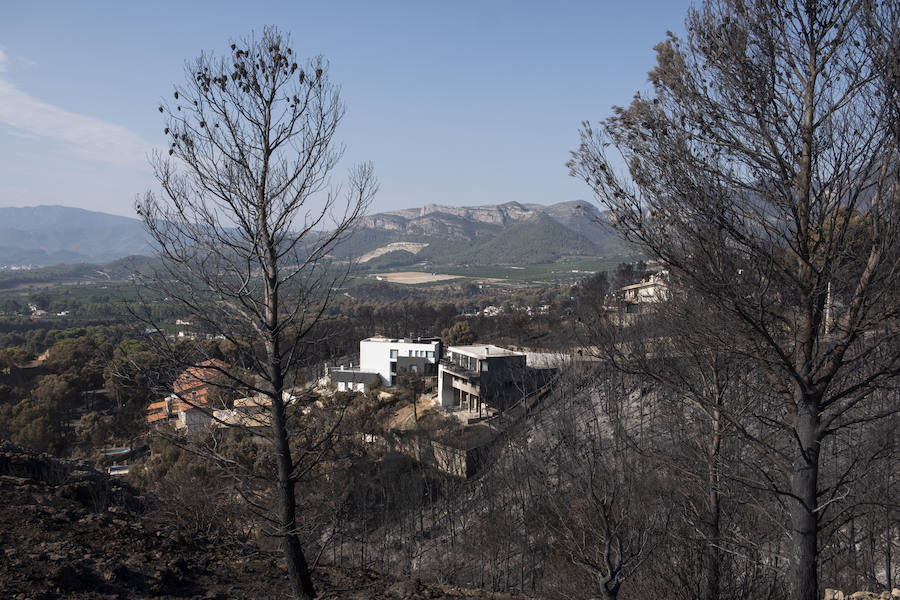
x: 393, y: 354
x: 484, y: 365
x: 429, y: 354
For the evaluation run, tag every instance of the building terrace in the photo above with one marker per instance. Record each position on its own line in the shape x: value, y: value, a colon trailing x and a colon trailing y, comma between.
x: 481, y: 378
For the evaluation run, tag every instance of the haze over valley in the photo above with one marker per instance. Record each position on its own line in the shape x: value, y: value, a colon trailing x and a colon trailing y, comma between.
x: 505, y: 234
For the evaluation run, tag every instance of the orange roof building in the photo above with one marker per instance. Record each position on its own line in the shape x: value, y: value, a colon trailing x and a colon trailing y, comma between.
x: 193, y: 385
x: 156, y: 417
x: 191, y: 390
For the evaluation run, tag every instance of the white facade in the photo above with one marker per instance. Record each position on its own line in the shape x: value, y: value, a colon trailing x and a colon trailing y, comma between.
x: 347, y: 386
x: 380, y: 355
x: 652, y: 290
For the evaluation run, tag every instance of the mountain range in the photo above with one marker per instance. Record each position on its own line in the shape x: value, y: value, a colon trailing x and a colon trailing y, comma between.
x: 49, y: 235
x: 510, y: 233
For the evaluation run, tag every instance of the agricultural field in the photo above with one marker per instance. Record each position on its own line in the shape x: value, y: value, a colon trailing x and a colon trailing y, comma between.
x: 540, y: 274
x: 414, y: 277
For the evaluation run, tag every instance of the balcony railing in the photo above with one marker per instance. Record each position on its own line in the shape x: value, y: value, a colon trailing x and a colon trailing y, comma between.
x: 459, y: 370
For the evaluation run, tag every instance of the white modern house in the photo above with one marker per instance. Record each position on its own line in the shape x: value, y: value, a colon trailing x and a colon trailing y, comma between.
x: 388, y: 358
x: 392, y: 357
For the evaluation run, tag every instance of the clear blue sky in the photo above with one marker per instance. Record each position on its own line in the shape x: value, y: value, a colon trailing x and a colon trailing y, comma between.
x: 458, y: 102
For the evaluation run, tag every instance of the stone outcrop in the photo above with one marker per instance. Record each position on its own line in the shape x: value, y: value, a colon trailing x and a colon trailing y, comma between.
x: 77, y: 480
x: 432, y: 219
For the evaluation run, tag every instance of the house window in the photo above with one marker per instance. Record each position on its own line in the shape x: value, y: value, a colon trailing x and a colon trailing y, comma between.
x: 429, y: 354
x: 393, y: 354
x: 484, y: 365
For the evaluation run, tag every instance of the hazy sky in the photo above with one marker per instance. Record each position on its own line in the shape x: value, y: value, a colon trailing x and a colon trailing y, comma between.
x: 456, y: 102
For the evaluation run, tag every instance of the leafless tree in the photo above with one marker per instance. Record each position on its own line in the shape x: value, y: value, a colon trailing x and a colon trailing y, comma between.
x: 245, y: 223
x: 679, y: 348
x: 603, y: 505
x: 763, y: 170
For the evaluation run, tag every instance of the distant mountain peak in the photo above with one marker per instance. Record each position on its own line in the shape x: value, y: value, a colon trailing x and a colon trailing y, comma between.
x: 489, y: 233
x: 52, y: 234
x: 507, y: 233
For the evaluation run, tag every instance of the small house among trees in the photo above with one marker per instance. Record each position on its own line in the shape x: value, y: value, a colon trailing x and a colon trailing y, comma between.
x: 190, y: 403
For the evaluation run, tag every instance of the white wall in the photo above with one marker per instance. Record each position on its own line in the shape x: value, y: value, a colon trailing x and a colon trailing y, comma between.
x: 375, y: 355
x: 351, y: 387
x: 445, y: 389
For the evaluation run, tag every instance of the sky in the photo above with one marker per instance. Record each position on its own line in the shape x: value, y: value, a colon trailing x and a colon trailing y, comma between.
x: 461, y: 103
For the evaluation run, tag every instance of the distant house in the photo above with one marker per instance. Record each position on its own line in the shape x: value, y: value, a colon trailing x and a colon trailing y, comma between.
x: 192, y: 418
x: 386, y: 359
x: 159, y: 411
x: 393, y: 357
x: 193, y: 386
x: 481, y: 378
x: 653, y: 289
x: 189, y: 405
x: 354, y: 380
x: 491, y: 311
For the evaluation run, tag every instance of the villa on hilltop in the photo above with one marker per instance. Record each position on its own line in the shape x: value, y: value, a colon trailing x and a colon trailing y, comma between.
x: 382, y: 360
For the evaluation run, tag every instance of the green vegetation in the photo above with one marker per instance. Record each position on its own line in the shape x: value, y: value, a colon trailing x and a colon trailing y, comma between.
x: 566, y: 271
x: 536, y: 241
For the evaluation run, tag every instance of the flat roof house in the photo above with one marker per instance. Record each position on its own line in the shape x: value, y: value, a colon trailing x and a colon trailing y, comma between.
x: 481, y: 378
x: 353, y: 380
x: 387, y: 359
x: 393, y: 357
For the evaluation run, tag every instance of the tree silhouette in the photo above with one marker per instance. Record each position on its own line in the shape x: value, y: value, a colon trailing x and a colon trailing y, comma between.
x: 770, y: 138
x: 245, y: 224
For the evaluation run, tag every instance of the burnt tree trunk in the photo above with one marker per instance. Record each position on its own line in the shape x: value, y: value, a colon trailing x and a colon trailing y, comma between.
x: 804, y: 488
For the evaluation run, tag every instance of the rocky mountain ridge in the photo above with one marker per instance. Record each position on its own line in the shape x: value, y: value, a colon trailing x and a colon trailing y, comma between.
x: 508, y: 233
x: 497, y: 214
x: 417, y: 220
